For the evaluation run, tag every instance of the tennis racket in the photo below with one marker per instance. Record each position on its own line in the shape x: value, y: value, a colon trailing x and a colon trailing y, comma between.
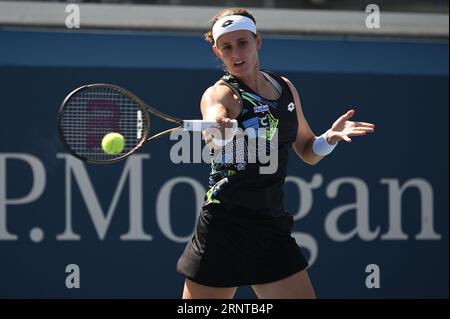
x: 90, y: 112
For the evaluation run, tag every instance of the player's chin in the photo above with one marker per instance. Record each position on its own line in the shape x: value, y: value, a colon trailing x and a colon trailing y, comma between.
x: 240, y: 70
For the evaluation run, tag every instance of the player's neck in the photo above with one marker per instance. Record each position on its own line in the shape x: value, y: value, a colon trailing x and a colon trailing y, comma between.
x: 254, y: 80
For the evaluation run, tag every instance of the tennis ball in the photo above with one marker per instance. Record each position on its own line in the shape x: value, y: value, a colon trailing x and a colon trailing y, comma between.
x: 113, y: 143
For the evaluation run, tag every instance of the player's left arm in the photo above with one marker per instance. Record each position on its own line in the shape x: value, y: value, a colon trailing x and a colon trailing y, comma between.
x: 341, y: 130
x: 305, y: 136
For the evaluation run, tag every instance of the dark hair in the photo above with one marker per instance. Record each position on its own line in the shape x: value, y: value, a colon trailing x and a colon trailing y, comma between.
x: 224, y: 13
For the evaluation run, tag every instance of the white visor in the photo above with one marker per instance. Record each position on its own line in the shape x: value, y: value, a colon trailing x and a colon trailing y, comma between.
x: 232, y: 23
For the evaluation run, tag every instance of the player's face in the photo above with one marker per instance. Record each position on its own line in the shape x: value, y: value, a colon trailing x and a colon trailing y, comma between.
x: 238, y: 51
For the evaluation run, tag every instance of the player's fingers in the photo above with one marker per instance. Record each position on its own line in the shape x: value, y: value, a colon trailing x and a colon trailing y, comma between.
x: 357, y: 133
x: 348, y: 115
x: 364, y: 124
x: 225, y: 122
x: 346, y: 138
x: 364, y: 129
x: 343, y: 118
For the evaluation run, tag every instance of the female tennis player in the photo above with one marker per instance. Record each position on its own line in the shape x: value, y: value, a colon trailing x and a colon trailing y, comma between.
x: 243, y: 235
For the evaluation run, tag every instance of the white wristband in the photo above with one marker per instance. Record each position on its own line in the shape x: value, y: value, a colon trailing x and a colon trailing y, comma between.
x: 321, y: 147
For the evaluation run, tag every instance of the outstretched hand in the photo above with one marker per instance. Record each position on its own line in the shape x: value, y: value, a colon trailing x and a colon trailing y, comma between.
x: 343, y: 129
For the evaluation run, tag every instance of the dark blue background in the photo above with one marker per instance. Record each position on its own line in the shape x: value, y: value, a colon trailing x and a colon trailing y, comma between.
x: 400, y: 85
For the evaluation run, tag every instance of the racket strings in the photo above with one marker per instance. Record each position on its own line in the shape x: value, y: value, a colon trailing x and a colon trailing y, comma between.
x: 92, y: 113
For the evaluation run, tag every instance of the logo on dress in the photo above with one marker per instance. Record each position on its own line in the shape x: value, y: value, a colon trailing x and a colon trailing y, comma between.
x: 260, y: 108
x: 291, y: 107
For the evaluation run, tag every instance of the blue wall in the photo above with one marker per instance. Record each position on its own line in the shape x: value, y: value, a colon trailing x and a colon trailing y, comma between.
x: 400, y: 85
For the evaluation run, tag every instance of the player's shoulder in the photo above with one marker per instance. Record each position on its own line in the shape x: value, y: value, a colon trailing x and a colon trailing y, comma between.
x: 218, y: 91
x: 282, y: 77
x: 285, y: 79
x: 290, y: 85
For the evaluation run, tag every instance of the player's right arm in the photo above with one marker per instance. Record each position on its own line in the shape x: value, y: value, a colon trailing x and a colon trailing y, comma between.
x: 218, y: 104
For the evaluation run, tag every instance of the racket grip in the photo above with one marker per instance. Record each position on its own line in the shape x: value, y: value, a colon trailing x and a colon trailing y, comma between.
x: 201, y: 125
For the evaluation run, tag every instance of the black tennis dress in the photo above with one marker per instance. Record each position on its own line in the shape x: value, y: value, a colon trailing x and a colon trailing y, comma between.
x: 243, y: 234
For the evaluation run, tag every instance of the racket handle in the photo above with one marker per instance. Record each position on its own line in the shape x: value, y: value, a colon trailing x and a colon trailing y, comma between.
x: 201, y: 125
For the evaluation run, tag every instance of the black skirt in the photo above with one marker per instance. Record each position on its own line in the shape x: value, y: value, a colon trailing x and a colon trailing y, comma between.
x: 232, y: 248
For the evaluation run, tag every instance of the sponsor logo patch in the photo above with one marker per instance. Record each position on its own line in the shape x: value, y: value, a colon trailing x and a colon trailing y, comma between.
x: 260, y: 108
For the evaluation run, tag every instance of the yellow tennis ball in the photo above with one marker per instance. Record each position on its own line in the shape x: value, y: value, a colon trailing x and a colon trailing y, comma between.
x: 113, y: 143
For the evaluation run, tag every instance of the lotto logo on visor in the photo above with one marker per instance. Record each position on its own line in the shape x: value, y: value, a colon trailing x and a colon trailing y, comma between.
x: 227, y: 23
x: 232, y: 23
